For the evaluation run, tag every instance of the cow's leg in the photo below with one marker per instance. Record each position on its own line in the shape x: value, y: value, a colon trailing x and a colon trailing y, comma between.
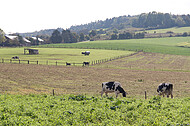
x: 116, y: 94
x: 102, y: 93
x: 106, y: 94
x: 171, y: 95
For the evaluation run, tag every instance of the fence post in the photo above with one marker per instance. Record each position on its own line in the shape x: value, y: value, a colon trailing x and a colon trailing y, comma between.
x: 145, y: 95
x: 28, y: 62
x: 56, y: 63
x: 53, y: 92
x: 2, y: 60
x: 37, y: 62
x: 19, y: 61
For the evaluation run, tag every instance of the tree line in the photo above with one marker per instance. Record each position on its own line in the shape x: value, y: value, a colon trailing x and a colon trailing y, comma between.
x: 151, y: 20
x: 161, y: 20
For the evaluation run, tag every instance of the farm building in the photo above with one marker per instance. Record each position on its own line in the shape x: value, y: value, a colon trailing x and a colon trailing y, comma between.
x: 31, y: 51
x: 15, y: 40
x: 38, y: 40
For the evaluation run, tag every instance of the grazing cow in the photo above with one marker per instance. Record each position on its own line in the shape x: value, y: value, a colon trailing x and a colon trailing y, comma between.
x: 15, y: 57
x: 109, y: 87
x: 86, y: 63
x: 68, y: 64
x: 165, y: 88
x: 86, y: 53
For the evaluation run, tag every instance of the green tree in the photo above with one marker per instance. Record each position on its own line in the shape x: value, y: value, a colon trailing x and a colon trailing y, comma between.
x: 114, y: 36
x: 66, y: 36
x: 56, y: 37
x: 93, y: 33
x: 81, y: 37
x: 2, y: 37
x: 185, y: 34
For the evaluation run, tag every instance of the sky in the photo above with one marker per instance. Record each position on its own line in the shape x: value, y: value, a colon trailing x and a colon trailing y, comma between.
x: 34, y: 15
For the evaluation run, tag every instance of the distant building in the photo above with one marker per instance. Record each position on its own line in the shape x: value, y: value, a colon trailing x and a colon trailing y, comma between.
x: 31, y: 51
x: 39, y: 39
x: 12, y: 40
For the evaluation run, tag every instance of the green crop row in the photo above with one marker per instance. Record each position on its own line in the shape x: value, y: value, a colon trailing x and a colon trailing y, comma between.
x: 86, y: 110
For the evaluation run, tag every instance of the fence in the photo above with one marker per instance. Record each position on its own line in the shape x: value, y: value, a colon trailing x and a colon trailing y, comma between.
x: 50, y: 62
x: 113, y: 58
x: 18, y: 61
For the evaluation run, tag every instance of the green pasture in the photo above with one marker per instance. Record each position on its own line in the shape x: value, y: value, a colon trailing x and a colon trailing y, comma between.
x: 174, y: 29
x: 81, y: 110
x: 155, y: 45
x: 60, y: 55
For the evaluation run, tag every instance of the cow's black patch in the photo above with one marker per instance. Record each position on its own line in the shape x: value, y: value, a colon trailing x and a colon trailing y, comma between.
x: 110, y: 85
x: 120, y: 89
x: 166, y: 85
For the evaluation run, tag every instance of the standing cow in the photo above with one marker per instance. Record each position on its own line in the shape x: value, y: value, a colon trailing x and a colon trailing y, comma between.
x: 86, y: 53
x: 165, y: 88
x: 110, y: 87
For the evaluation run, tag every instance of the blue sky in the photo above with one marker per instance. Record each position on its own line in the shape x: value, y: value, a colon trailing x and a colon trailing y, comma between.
x: 34, y: 15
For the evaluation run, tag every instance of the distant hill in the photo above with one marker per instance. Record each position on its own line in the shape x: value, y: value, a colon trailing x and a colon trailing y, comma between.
x: 46, y: 32
x: 146, y: 21
x: 119, y: 23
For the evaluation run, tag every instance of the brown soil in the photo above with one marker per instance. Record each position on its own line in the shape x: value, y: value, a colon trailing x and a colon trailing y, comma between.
x: 137, y: 73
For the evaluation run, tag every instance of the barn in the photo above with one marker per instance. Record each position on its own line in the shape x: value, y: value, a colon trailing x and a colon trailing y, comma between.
x: 31, y: 51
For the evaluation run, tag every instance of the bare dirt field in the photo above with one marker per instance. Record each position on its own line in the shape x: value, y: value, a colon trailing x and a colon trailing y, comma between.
x: 137, y: 73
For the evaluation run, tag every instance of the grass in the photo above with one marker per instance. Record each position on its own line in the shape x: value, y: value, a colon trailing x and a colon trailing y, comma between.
x: 156, y: 45
x: 174, y: 29
x: 61, y: 55
x: 85, y: 110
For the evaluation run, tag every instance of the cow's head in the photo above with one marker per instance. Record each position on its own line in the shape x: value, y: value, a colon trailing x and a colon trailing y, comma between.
x: 124, y: 94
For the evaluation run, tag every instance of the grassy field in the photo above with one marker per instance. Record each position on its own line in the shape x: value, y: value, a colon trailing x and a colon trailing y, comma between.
x: 156, y: 45
x: 26, y: 89
x: 84, y: 110
x: 61, y: 55
x: 174, y: 29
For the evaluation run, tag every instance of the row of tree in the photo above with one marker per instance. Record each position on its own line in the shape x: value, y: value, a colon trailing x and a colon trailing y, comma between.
x: 127, y: 35
x: 161, y: 20
x: 66, y: 36
x: 151, y: 20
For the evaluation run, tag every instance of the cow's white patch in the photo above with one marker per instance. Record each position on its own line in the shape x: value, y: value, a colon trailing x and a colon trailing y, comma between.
x: 164, y: 88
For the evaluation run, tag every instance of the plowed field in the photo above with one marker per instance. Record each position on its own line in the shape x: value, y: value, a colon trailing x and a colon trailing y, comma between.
x: 137, y: 73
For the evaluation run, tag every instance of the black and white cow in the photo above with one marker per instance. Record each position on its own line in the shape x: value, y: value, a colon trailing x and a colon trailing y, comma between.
x: 86, y: 53
x: 15, y: 57
x: 110, y: 87
x: 165, y: 89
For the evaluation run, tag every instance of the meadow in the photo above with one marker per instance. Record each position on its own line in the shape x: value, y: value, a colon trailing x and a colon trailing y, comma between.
x: 174, y: 29
x: 155, y: 45
x: 60, y: 55
x: 87, y: 110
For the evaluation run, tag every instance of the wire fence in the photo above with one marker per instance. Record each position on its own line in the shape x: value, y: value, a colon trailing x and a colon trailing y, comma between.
x: 60, y: 63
